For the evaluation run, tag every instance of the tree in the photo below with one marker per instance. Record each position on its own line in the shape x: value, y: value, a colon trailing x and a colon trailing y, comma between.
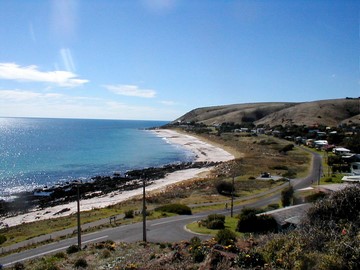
x: 224, y: 188
x: 287, y: 196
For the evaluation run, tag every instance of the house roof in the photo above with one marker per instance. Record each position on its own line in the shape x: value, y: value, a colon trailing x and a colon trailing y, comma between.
x: 291, y: 214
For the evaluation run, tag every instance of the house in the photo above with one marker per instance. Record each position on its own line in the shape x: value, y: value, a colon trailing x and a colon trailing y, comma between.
x: 290, y: 216
x: 320, y: 144
x: 341, y: 151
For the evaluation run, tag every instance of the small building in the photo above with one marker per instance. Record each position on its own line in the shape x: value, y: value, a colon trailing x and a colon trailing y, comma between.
x: 341, y: 151
x: 320, y: 144
x: 290, y: 216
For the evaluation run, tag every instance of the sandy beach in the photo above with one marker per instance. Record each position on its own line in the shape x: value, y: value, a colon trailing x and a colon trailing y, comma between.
x: 203, y: 151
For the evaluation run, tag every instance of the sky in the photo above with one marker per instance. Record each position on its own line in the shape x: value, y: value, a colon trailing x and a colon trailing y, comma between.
x: 159, y: 59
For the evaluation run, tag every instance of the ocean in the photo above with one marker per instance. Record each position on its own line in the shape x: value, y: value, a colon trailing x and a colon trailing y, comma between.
x: 36, y: 152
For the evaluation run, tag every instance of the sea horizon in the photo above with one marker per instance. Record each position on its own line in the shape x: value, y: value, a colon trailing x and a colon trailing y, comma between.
x: 38, y: 152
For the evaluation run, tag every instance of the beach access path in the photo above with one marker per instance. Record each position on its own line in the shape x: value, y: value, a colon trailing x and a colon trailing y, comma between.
x: 204, y: 152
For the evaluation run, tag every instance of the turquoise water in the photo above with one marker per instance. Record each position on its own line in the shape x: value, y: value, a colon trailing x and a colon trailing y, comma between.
x: 36, y: 152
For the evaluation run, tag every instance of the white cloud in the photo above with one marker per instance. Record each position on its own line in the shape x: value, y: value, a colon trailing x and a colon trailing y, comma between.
x: 131, y: 90
x: 20, y: 95
x: 20, y: 103
x: 12, y: 71
x: 167, y: 102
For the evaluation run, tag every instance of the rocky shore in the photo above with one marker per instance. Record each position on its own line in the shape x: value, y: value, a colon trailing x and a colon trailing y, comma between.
x: 95, y: 187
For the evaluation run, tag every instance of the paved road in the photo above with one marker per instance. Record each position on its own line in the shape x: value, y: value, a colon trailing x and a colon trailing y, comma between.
x: 161, y: 230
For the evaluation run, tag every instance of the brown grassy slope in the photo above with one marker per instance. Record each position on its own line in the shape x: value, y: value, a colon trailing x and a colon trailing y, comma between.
x: 237, y: 113
x: 323, y: 112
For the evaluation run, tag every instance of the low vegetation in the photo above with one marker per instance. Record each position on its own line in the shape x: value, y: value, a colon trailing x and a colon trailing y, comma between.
x: 329, y: 238
x: 174, y: 208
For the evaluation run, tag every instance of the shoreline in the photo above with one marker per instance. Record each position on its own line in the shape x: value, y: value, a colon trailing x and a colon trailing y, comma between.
x: 204, y: 152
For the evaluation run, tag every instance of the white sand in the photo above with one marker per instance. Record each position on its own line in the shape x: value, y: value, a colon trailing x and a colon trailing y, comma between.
x: 202, y: 150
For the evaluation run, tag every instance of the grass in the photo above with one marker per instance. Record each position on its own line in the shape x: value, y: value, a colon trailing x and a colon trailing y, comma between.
x: 230, y: 223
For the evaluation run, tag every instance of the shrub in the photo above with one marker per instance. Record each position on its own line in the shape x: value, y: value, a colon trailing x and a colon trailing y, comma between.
x: 250, y: 259
x: 287, y: 148
x: 197, y: 250
x: 72, y: 249
x: 315, y: 196
x: 287, y: 196
x: 81, y: 263
x: 279, y: 167
x: 105, y: 254
x: 225, y: 237
x: 216, y: 217
x: 60, y: 255
x: 19, y: 266
x: 179, y: 209
x: 289, y: 174
x: 250, y: 222
x: 224, y: 188
x: 2, y: 239
x: 216, y: 224
x: 129, y: 214
x: 328, y: 180
x: 328, y: 237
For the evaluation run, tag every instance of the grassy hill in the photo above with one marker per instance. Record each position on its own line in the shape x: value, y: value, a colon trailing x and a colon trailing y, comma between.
x: 322, y: 112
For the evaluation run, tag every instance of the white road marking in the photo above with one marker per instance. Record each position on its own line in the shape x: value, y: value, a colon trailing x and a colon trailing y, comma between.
x: 53, y: 250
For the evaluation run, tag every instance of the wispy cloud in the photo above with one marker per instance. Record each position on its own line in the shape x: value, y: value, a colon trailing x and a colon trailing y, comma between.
x: 159, y: 6
x: 32, y: 33
x: 41, y: 104
x: 167, y: 102
x: 67, y: 59
x: 12, y: 71
x: 21, y: 95
x: 131, y: 90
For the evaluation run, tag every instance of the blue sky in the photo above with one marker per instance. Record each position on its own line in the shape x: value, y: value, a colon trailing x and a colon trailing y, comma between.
x: 158, y: 59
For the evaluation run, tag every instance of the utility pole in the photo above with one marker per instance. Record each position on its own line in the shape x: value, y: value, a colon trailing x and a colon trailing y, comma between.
x: 144, y: 212
x: 232, y: 196
x: 78, y: 216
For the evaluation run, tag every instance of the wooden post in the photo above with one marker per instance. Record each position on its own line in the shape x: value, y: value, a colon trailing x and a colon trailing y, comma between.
x: 78, y: 216
x: 144, y: 212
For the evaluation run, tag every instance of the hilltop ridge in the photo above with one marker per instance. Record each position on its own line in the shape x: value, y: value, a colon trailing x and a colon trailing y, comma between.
x: 332, y: 112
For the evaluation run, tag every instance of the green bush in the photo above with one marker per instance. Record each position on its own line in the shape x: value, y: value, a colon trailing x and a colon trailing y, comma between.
x: 60, y: 255
x: 19, y: 266
x: 216, y: 224
x: 179, y: 209
x: 279, y: 167
x: 287, y: 196
x: 2, y: 239
x: 72, y: 249
x: 250, y: 259
x: 289, y: 174
x: 216, y: 217
x: 129, y: 214
x: 315, y: 196
x: 328, y: 237
x: 81, y: 263
x: 224, y: 187
x: 249, y: 221
x: 225, y: 237
x: 197, y: 250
